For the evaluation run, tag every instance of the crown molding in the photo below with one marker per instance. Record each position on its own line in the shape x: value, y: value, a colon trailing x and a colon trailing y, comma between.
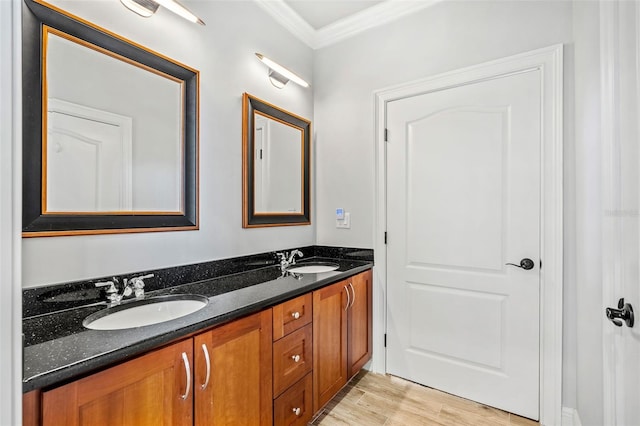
x: 289, y: 19
x: 342, y: 29
x: 371, y: 17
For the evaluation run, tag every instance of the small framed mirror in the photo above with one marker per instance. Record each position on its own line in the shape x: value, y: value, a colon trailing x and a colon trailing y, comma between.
x: 110, y: 131
x: 276, y: 147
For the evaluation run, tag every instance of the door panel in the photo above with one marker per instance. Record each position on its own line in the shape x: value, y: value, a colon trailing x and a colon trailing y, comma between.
x: 478, y: 316
x: 360, y: 320
x: 239, y: 390
x: 140, y: 392
x: 329, y: 342
x: 463, y: 199
x: 473, y: 173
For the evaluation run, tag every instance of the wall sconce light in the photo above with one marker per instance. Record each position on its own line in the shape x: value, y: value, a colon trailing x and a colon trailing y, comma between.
x: 146, y: 8
x: 279, y: 75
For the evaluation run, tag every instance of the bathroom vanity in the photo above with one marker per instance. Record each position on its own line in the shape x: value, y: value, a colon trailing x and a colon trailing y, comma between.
x: 274, y: 352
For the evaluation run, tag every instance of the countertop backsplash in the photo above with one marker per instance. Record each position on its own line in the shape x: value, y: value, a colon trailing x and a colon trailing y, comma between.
x: 59, y: 297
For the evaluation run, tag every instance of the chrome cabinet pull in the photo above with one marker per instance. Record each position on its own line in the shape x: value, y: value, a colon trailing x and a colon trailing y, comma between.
x: 348, y: 298
x: 295, y: 358
x: 297, y: 411
x: 187, y: 370
x: 353, y: 291
x: 295, y: 315
x: 208, y: 360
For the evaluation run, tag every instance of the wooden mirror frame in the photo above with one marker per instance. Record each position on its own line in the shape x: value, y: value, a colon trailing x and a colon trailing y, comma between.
x: 251, y: 219
x: 35, y: 223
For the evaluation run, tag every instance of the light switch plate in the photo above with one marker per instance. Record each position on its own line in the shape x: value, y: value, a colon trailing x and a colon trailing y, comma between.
x: 344, y: 223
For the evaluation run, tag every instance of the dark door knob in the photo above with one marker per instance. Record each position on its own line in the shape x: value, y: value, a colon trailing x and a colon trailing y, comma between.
x: 624, y: 313
x: 524, y: 264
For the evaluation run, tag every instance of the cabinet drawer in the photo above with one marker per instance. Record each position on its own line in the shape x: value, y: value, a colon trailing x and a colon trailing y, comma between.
x: 291, y: 315
x: 294, y: 407
x: 292, y: 358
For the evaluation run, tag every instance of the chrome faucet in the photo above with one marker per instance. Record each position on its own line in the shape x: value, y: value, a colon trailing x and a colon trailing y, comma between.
x: 288, y: 259
x: 133, y: 285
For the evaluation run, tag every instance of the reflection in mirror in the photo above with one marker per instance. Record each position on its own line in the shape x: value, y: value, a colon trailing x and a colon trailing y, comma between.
x: 276, y: 165
x: 278, y: 172
x: 113, y: 139
x: 110, y: 131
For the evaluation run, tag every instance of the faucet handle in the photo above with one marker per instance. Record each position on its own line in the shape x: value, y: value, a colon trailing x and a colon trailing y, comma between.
x: 137, y: 285
x: 111, y: 289
x: 282, y: 255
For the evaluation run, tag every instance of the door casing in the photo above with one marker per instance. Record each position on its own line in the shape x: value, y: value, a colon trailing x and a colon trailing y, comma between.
x: 550, y: 61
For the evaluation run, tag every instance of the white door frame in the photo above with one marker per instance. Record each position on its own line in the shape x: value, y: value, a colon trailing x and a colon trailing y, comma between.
x: 10, y: 213
x: 549, y: 62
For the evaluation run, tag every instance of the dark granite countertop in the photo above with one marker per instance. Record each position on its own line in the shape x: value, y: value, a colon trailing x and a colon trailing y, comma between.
x: 58, y: 348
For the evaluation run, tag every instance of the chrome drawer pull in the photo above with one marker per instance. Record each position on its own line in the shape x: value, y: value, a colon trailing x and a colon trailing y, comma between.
x: 353, y: 291
x: 297, y: 411
x: 295, y: 358
x: 187, y: 370
x: 206, y: 358
x: 348, y: 298
x: 295, y: 315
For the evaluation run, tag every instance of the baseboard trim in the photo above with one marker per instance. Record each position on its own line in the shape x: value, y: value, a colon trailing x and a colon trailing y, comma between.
x: 570, y: 417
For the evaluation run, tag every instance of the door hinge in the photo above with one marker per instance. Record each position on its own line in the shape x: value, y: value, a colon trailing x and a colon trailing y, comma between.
x: 385, y: 237
x: 385, y: 340
x: 386, y: 135
x: 261, y: 153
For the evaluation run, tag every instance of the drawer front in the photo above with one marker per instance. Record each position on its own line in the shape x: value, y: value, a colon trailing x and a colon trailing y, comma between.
x: 292, y: 358
x: 295, y: 406
x: 291, y: 315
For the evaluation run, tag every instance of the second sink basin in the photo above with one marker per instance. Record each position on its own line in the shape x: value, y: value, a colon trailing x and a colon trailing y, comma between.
x: 313, y: 267
x: 145, y: 312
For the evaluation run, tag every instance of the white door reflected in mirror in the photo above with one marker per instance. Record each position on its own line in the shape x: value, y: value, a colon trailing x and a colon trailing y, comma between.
x: 278, y: 166
x: 90, y: 151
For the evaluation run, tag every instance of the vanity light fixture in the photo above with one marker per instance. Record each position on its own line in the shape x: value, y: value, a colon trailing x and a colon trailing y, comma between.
x: 279, y: 75
x: 146, y: 8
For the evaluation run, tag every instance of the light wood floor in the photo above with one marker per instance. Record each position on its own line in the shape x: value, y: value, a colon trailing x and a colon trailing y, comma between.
x: 373, y: 399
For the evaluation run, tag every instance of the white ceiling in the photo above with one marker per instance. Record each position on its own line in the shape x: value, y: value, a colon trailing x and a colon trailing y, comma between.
x: 320, y: 23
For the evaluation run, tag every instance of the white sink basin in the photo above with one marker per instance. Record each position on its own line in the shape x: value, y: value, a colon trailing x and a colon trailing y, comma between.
x: 145, y: 312
x: 313, y: 268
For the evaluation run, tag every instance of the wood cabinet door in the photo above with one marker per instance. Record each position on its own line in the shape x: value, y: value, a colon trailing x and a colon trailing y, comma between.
x: 329, y: 342
x: 154, y: 389
x: 233, y: 373
x: 360, y: 321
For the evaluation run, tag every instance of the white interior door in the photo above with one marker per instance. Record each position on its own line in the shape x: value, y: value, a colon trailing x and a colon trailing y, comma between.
x: 89, y: 159
x: 463, y: 200
x: 621, y: 210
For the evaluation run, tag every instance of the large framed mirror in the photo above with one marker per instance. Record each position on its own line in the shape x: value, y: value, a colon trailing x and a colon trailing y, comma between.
x: 276, y: 147
x: 110, y: 131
